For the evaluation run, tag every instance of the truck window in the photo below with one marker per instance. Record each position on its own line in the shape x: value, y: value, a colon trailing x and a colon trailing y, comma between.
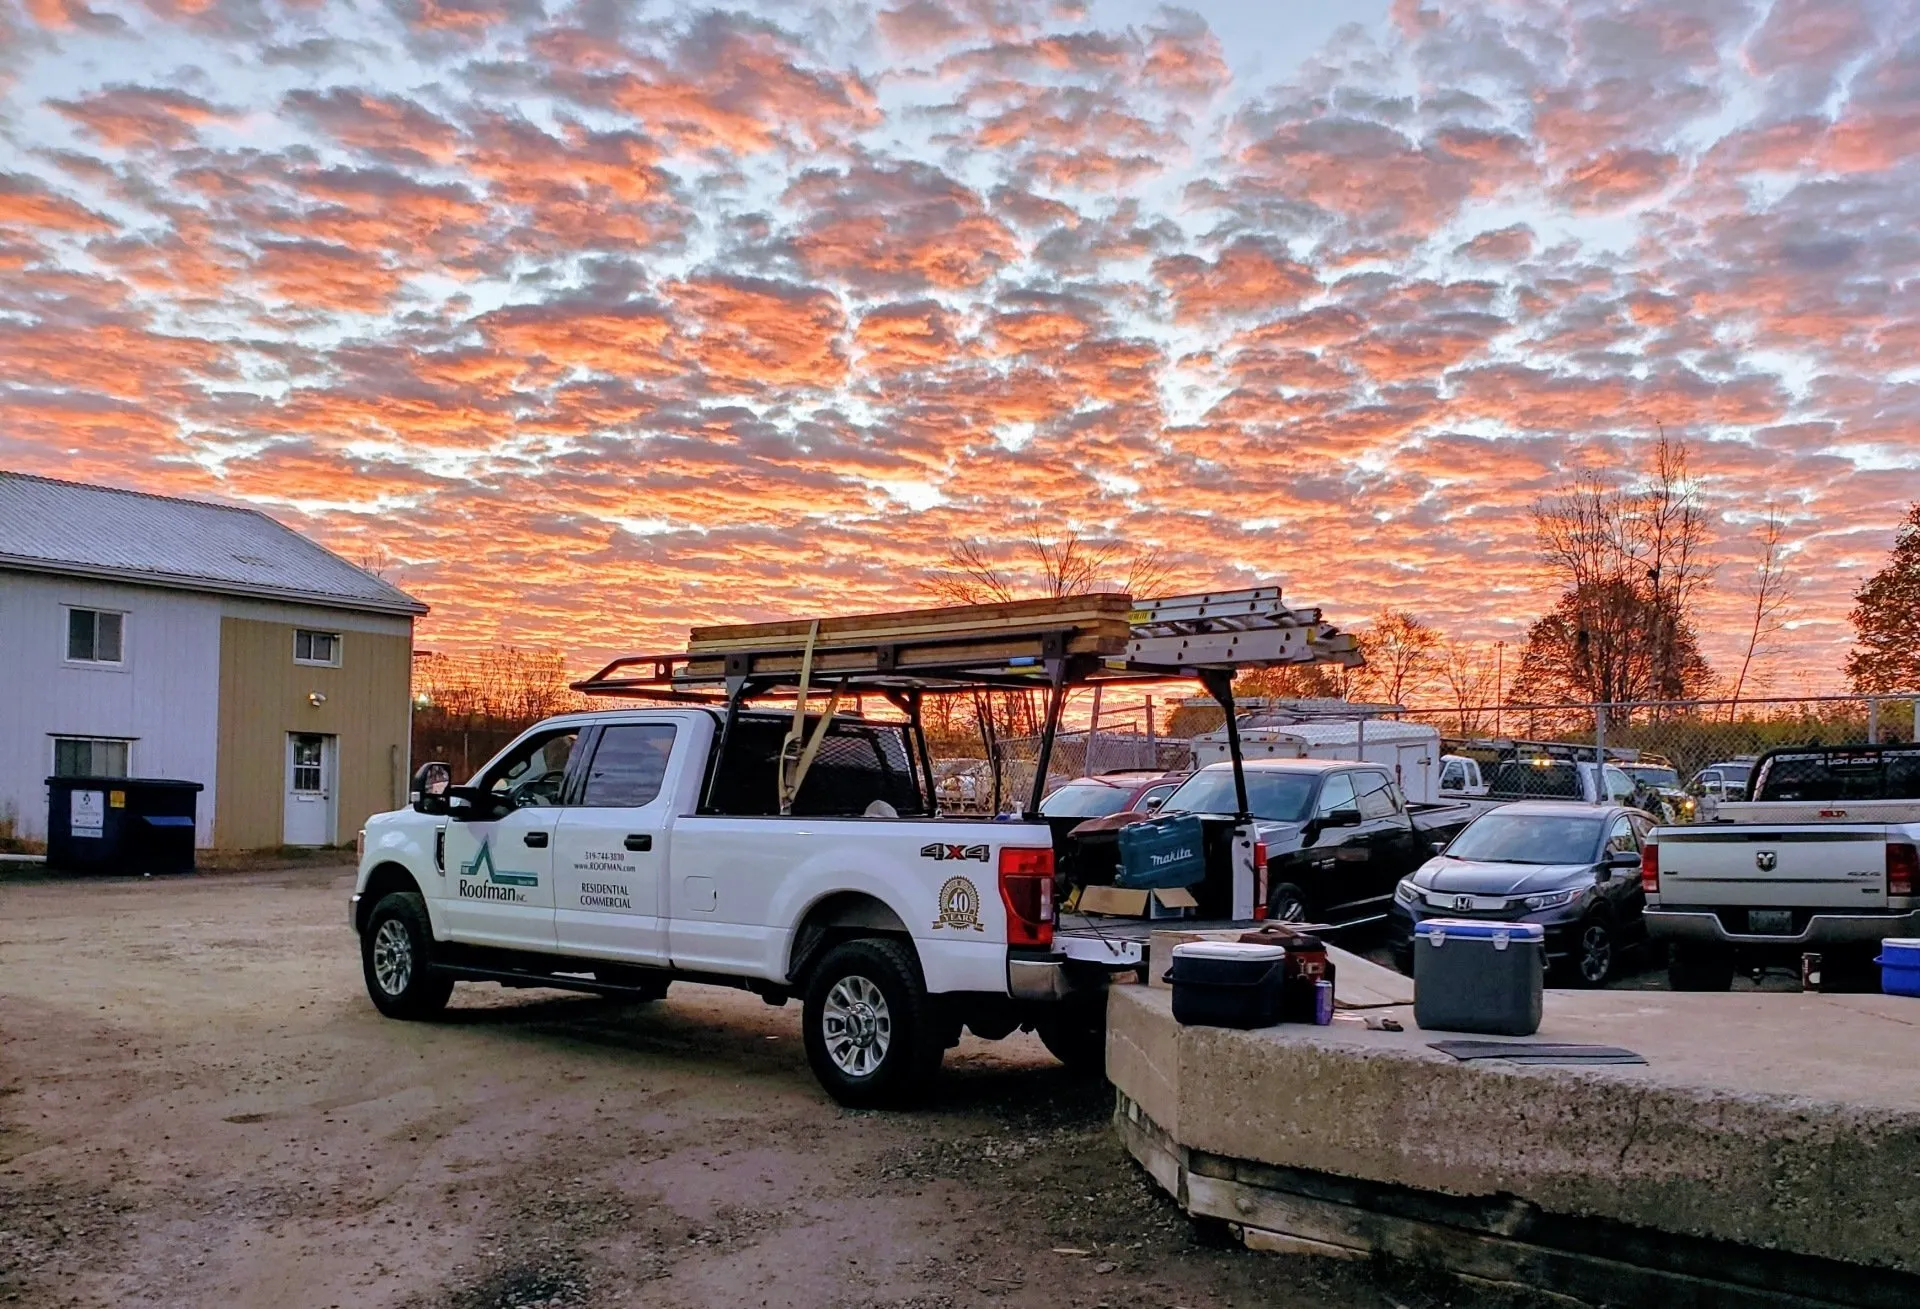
x: 1336, y: 794
x: 536, y: 770
x: 1542, y: 780
x: 858, y: 763
x: 1374, y: 794
x: 1841, y: 775
x: 629, y: 765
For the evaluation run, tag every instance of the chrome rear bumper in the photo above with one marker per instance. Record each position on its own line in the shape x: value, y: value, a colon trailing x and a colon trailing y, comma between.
x: 1821, y: 929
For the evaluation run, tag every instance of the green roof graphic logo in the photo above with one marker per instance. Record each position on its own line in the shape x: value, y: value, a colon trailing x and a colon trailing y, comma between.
x: 483, y: 859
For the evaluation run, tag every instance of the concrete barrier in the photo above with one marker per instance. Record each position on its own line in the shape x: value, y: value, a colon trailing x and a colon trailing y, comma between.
x: 1770, y: 1147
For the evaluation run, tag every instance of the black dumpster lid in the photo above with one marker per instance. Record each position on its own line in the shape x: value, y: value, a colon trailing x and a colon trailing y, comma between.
x: 127, y: 783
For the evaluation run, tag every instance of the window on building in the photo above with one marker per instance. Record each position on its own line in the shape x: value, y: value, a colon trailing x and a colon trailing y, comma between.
x: 316, y: 648
x: 90, y: 756
x: 94, y: 636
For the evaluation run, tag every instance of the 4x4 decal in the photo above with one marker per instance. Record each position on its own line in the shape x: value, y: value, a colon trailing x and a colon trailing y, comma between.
x: 944, y: 852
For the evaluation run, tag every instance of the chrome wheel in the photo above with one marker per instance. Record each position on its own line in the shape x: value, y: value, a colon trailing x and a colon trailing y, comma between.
x: 1288, y: 909
x: 393, y: 957
x: 1596, y: 954
x: 857, y: 1025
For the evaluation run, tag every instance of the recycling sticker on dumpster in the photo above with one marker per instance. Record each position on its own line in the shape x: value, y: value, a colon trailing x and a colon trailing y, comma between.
x: 89, y: 813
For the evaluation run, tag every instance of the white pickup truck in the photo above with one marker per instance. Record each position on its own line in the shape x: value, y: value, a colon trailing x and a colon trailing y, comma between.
x: 604, y: 852
x: 1823, y: 860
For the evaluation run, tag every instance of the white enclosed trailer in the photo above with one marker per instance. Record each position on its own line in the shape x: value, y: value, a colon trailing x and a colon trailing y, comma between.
x: 1411, y: 750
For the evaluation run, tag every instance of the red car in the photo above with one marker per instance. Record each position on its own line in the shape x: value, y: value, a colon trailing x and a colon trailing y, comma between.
x: 1110, y: 793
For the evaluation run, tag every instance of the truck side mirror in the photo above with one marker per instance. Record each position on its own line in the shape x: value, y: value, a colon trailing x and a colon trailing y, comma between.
x: 1439, y: 847
x: 428, y: 794
x: 1341, y: 818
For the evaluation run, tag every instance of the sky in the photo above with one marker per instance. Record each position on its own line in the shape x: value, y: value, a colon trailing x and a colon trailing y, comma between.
x: 589, y: 321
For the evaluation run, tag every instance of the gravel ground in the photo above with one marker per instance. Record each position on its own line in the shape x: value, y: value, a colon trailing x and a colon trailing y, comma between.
x: 198, y: 1106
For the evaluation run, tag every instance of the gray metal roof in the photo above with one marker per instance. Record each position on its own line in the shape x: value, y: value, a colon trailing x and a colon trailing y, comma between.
x: 77, y: 530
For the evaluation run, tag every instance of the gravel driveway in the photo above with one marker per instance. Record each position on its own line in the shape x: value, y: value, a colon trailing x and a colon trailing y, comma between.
x: 199, y: 1107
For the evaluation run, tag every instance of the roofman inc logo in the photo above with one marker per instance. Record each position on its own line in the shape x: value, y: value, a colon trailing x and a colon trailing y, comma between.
x: 959, y: 906
x: 498, y: 885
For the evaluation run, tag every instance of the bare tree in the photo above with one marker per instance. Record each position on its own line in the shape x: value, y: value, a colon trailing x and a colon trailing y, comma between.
x: 1401, y: 653
x: 1469, y: 672
x: 1046, y: 566
x: 1769, y: 585
x: 1630, y: 561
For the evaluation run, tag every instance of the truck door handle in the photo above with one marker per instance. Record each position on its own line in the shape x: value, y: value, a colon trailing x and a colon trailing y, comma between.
x: 538, y: 840
x: 640, y: 841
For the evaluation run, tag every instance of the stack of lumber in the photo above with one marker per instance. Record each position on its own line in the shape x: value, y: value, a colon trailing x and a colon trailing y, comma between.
x: 918, y: 638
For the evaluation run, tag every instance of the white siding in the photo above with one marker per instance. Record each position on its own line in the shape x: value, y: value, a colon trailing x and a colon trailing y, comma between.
x: 165, y: 696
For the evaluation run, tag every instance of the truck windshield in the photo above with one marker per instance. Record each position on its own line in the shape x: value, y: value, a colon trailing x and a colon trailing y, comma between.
x: 1498, y: 838
x: 1085, y: 800
x: 1653, y: 776
x: 1841, y: 775
x: 1278, y: 797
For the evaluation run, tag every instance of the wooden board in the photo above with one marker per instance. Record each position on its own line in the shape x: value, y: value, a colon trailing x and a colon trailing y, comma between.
x: 989, y: 652
x: 1105, y: 612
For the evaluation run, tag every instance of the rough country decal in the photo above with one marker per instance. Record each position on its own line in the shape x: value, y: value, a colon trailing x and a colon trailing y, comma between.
x: 959, y: 904
x: 945, y: 852
x: 497, y: 885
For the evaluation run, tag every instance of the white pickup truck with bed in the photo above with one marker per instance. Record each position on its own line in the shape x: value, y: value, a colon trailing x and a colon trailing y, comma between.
x: 585, y: 856
x: 1824, y: 859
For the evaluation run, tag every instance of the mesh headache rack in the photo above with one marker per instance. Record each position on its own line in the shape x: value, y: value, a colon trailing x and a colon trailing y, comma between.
x: 1045, y: 645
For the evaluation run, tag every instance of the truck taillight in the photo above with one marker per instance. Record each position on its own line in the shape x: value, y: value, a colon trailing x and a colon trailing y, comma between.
x: 1650, y: 868
x: 360, y: 845
x: 1903, y: 868
x: 1026, y: 888
x: 1259, y: 880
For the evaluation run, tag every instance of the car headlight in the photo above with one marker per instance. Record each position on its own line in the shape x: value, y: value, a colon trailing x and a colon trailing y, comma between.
x: 1407, y: 893
x: 1551, y: 900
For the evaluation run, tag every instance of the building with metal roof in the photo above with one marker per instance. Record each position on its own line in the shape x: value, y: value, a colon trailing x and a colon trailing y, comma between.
x: 151, y: 636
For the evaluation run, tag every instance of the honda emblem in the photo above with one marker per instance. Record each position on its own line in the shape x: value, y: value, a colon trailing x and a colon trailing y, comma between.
x: 1463, y: 902
x: 1766, y: 861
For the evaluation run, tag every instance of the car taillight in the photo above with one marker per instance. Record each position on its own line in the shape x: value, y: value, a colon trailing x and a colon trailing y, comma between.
x: 1650, y: 868
x: 1259, y: 880
x: 1026, y: 888
x: 1903, y: 868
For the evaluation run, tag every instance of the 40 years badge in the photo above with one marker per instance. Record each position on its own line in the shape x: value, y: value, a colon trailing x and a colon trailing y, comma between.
x: 959, y: 906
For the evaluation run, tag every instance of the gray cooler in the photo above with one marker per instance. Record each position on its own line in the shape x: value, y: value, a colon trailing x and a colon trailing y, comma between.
x: 1481, y: 977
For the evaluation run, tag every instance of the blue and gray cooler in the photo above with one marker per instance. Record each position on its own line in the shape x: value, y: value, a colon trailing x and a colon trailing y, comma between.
x: 1471, y: 976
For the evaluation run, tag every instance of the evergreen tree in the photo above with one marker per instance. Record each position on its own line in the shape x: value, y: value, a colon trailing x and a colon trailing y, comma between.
x: 1886, y: 619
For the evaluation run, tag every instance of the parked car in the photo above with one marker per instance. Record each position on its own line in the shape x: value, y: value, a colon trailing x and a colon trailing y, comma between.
x: 1555, y: 777
x: 1572, y: 867
x: 1657, y: 790
x: 1110, y: 793
x: 1338, y: 835
x: 1723, y: 783
x: 1822, y: 860
x: 1461, y: 776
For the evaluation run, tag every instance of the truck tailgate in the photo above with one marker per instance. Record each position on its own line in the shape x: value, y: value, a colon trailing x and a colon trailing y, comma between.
x: 1800, y: 866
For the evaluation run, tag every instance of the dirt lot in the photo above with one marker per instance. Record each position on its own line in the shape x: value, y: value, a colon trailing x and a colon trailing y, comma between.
x: 198, y: 1106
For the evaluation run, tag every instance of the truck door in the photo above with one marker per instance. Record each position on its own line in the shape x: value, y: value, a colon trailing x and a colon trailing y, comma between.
x: 496, y: 885
x: 610, y: 855
x: 1386, y: 834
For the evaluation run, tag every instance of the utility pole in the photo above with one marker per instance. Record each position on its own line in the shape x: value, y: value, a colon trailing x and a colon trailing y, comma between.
x: 1499, y: 682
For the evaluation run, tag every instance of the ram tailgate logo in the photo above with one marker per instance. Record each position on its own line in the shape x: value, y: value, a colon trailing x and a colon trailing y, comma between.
x: 939, y: 850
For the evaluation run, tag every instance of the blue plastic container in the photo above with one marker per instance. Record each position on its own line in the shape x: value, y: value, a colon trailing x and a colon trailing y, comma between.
x: 1162, y: 853
x: 1900, y: 966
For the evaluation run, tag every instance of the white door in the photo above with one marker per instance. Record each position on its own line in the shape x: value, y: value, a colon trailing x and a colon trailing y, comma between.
x: 610, y: 853
x: 498, y: 884
x: 309, y: 804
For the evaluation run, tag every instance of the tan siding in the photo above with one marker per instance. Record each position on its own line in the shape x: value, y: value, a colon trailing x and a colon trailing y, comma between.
x: 264, y: 696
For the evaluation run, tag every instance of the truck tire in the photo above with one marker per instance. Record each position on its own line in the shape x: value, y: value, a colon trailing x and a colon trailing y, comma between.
x: 396, y: 959
x: 872, y: 1034
x: 1699, y: 968
x: 1287, y: 903
x: 1076, y: 1034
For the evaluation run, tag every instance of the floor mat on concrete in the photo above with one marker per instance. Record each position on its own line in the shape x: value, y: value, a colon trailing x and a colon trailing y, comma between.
x: 1537, y: 1052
